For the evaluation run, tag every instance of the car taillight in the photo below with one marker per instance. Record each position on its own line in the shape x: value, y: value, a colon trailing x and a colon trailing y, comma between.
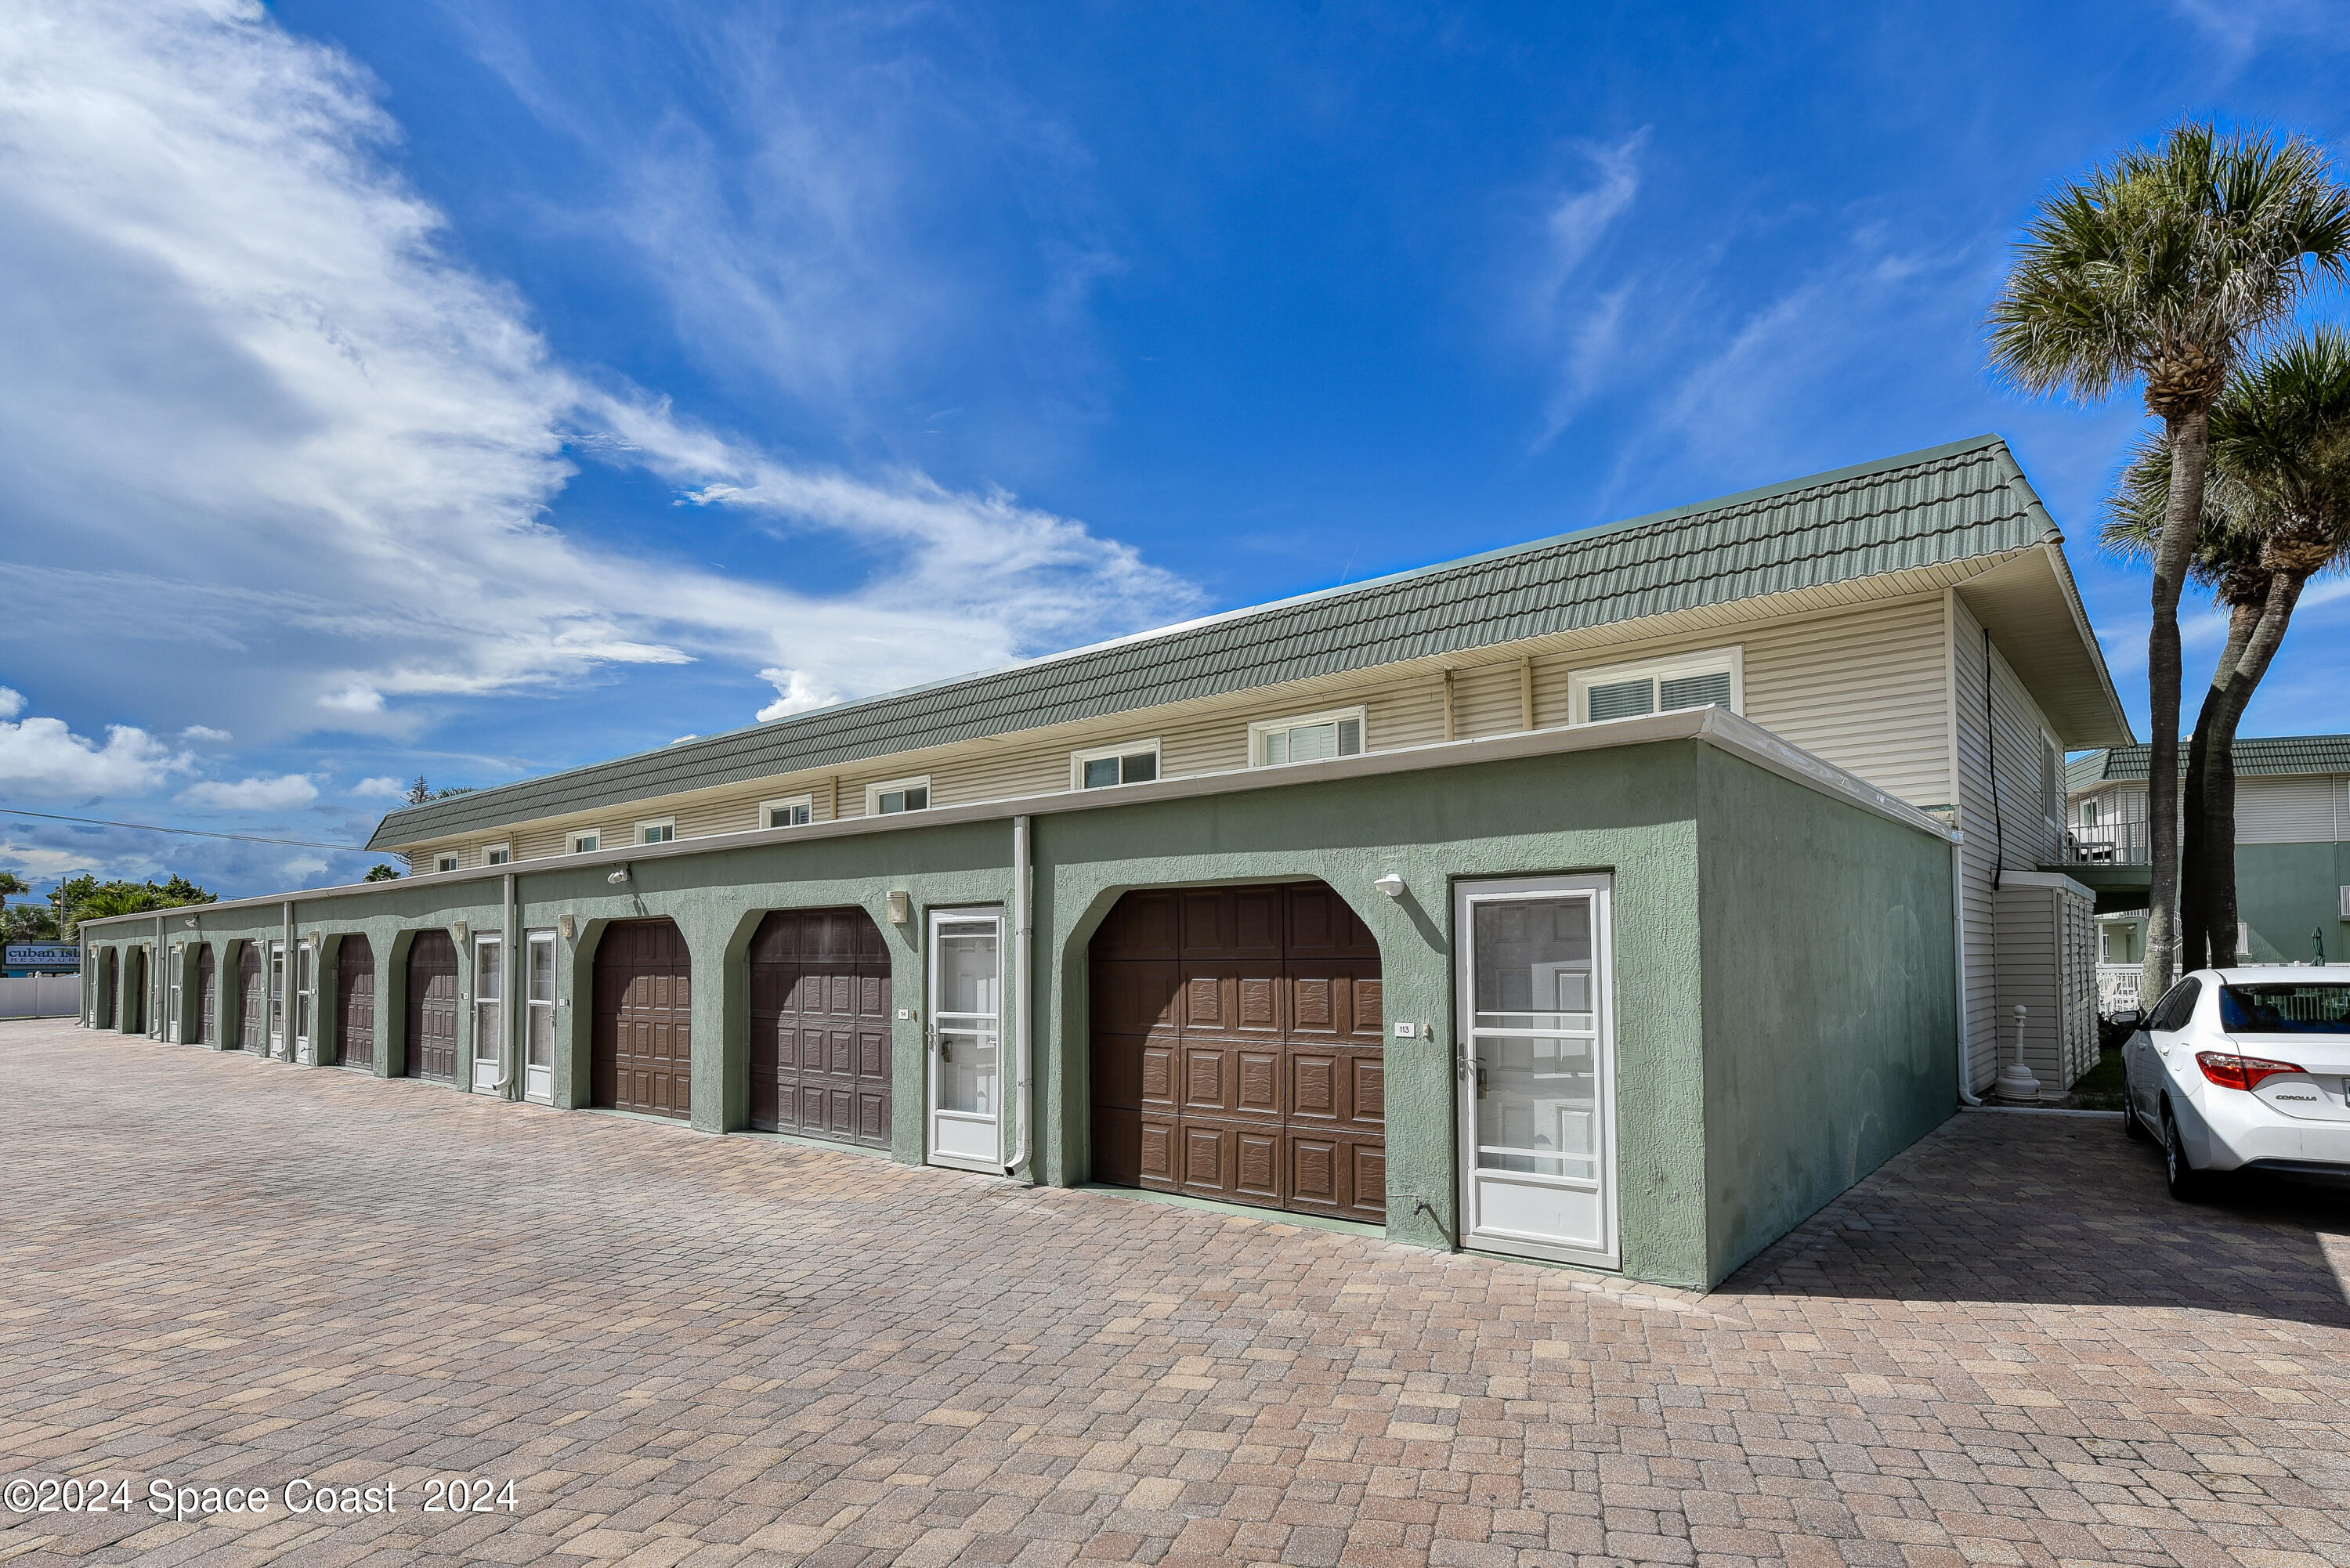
x: 2230, y: 1071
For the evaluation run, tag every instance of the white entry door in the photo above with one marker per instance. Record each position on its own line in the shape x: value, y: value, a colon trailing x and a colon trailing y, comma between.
x: 966, y: 1035
x: 538, y: 1049
x: 489, y: 1014
x: 1537, y: 1069
x: 277, y: 1043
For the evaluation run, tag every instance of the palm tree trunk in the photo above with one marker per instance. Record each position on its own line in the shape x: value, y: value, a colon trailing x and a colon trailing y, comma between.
x: 2220, y: 797
x: 2190, y: 450
x: 2194, y: 869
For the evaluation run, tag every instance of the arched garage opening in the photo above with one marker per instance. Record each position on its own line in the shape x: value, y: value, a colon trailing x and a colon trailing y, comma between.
x: 432, y: 1007
x: 207, y: 993
x: 251, y: 1004
x: 355, y: 1003
x: 134, y: 991
x: 641, y: 1039
x: 106, y: 993
x: 1235, y: 1049
x: 820, y: 1029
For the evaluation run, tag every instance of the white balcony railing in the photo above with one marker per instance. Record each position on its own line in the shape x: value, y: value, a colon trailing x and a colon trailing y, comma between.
x: 2118, y: 989
x: 2108, y: 843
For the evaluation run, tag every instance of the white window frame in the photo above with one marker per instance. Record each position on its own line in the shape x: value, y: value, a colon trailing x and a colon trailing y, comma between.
x: 494, y: 1062
x: 587, y: 842
x: 1260, y: 728
x: 491, y: 853
x: 1078, y: 761
x: 874, y: 791
x: 538, y: 1080
x: 666, y: 825
x: 1669, y: 667
x: 304, y: 987
x: 448, y: 859
x: 790, y: 803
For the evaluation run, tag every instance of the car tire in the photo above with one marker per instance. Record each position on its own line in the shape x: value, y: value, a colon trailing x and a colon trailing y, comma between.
x: 2132, y: 1128
x: 2187, y: 1183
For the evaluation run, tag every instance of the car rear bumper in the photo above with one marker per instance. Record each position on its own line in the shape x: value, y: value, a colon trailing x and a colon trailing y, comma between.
x: 2237, y: 1131
x: 2323, y: 1169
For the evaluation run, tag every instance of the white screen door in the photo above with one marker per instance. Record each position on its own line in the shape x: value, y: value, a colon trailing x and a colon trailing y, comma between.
x: 172, y: 1020
x: 277, y: 1000
x: 538, y: 1055
x: 965, y: 1038
x: 489, y: 1012
x: 1537, y: 1069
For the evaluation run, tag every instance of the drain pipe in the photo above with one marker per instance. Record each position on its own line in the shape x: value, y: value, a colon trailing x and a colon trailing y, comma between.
x: 1967, y: 1096
x: 505, y: 991
x: 1024, y: 990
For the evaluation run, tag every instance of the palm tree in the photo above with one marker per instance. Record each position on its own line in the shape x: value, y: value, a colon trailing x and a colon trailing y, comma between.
x: 12, y: 885
x: 2276, y: 514
x: 2163, y: 267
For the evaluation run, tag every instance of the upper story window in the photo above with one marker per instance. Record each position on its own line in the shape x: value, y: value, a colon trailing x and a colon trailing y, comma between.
x: 448, y: 860
x: 660, y: 830
x: 498, y: 855
x: 586, y: 843
x: 1137, y: 761
x: 2088, y: 814
x: 1307, y: 738
x: 798, y: 811
x: 897, y: 796
x: 1714, y: 679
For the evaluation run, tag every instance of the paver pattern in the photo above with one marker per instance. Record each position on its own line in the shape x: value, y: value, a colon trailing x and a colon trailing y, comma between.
x: 2006, y: 1347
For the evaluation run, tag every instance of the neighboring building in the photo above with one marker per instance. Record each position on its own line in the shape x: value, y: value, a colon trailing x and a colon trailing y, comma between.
x: 2293, y: 854
x: 1595, y: 899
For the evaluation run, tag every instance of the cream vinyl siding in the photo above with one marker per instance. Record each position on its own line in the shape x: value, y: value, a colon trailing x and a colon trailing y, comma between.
x: 1862, y: 688
x: 2288, y: 810
x: 2018, y: 830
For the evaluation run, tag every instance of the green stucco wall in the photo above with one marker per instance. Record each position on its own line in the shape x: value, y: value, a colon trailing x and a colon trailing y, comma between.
x: 2286, y: 891
x: 1830, y: 1001
x: 1769, y: 942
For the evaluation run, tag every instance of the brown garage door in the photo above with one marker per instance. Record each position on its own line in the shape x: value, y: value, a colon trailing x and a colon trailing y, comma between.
x: 643, y: 1043
x: 1236, y: 1049
x: 432, y: 1007
x: 820, y: 1031
x: 207, y: 988
x: 355, y: 1003
x: 253, y: 1007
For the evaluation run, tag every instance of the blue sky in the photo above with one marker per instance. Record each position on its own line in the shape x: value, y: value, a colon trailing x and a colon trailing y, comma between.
x: 483, y: 388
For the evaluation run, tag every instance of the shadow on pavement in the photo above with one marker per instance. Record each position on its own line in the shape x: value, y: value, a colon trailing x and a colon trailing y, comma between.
x: 2064, y: 1210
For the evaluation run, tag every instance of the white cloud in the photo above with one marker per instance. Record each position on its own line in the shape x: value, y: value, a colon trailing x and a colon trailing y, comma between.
x: 281, y: 794
x: 304, y: 440
x: 380, y: 789
x: 205, y: 736
x: 1571, y: 319
x: 42, y: 759
x: 795, y: 693
x: 12, y: 702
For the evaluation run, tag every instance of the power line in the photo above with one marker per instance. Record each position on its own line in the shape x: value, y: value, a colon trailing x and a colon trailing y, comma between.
x: 191, y: 831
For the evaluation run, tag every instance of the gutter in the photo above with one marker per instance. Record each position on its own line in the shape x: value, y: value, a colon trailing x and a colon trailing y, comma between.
x: 1024, y: 989
x: 1716, y: 727
x: 1967, y: 1095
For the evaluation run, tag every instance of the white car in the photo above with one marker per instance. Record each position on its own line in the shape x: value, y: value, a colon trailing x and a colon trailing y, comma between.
x: 2244, y: 1069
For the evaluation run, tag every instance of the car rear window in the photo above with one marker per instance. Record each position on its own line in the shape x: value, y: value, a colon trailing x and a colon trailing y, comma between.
x: 2285, y: 1009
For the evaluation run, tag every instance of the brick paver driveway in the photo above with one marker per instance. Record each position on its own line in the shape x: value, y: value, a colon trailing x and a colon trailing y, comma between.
x: 2007, y: 1347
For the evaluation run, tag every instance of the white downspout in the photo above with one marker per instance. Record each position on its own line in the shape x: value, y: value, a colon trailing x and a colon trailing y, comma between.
x: 1023, y: 990
x: 1967, y: 1095
x: 506, y: 989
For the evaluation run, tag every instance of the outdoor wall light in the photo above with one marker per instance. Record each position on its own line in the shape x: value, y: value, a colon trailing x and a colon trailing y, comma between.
x: 901, y: 908
x: 1391, y: 885
x: 617, y: 877
x: 192, y: 922
x: 460, y: 930
x: 567, y: 926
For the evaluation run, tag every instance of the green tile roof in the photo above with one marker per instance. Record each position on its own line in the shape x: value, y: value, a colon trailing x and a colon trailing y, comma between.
x: 1928, y: 508
x: 2254, y: 754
